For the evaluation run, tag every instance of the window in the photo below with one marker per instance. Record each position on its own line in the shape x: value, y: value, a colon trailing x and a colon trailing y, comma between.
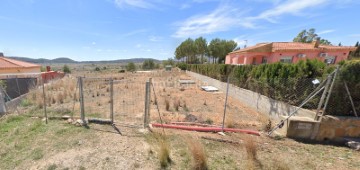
x: 286, y: 59
x: 330, y: 60
x: 264, y: 60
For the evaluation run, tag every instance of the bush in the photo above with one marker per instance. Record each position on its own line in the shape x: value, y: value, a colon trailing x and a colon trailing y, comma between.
x: 131, y: 67
x: 66, y: 69
x: 181, y: 66
x: 148, y: 64
x: 97, y: 69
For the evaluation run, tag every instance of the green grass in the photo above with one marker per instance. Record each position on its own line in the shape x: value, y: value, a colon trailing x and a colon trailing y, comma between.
x: 24, y: 139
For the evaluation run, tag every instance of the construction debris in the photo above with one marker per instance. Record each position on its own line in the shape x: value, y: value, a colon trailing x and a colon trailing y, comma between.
x: 209, y: 88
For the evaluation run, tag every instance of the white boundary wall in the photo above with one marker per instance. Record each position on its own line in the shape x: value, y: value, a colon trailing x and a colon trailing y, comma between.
x: 256, y: 101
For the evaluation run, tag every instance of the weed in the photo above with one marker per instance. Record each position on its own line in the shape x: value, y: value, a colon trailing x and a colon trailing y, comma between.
x: 60, y: 98
x: 176, y: 104
x: 52, y: 167
x: 37, y: 154
x: 167, y: 104
x: 185, y: 107
x: 251, y: 148
x: 205, y: 103
x: 25, y: 103
x: 164, y: 150
x: 39, y: 103
x: 230, y: 124
x: 198, y: 154
x: 209, y: 121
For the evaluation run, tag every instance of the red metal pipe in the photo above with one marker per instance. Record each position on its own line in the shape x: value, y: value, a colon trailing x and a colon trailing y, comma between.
x: 205, y: 129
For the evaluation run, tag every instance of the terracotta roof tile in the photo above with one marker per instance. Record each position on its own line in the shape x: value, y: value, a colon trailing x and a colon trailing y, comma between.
x: 11, y: 63
x: 288, y: 46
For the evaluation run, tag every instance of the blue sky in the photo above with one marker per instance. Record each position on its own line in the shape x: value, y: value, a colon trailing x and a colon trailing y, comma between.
x: 87, y: 30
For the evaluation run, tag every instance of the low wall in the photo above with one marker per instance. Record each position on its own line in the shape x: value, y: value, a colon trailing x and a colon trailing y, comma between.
x: 262, y: 104
x: 332, y: 128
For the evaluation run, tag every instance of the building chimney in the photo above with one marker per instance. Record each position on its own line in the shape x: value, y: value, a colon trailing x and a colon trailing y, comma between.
x: 316, y: 43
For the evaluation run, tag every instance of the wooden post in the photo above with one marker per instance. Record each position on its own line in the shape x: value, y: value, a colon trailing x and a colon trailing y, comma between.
x: 112, y: 100
x: 328, y: 80
x: 44, y: 95
x: 147, y: 91
x: 351, y: 100
x: 81, y: 95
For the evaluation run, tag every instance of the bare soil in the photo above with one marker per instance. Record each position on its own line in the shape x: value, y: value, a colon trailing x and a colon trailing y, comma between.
x: 29, y: 143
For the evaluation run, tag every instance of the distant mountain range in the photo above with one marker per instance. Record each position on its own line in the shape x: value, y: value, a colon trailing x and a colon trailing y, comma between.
x: 69, y: 61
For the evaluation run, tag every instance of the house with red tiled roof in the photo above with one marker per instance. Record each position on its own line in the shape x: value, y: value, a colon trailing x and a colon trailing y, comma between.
x: 288, y: 52
x: 10, y: 66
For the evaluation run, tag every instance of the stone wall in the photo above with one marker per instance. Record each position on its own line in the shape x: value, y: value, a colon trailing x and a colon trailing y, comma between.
x: 333, y: 127
x: 262, y: 104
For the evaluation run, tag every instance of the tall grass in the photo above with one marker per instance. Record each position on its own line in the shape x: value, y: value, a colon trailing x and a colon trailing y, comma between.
x: 199, y: 161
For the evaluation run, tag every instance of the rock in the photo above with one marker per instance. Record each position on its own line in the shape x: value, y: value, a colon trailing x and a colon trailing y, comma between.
x: 353, y: 145
x: 79, y: 122
x: 69, y: 120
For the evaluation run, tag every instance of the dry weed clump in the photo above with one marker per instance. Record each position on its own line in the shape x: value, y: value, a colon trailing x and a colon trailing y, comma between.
x: 39, y: 102
x: 164, y: 150
x: 60, y: 98
x: 167, y: 104
x: 198, y: 154
x: 176, y: 104
x: 230, y: 124
x: 250, y: 146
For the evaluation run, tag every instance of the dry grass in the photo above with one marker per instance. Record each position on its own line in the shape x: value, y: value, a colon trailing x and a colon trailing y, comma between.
x: 198, y: 154
x: 230, y: 123
x: 167, y: 104
x: 250, y: 146
x: 60, y: 98
x: 176, y: 104
x: 164, y: 150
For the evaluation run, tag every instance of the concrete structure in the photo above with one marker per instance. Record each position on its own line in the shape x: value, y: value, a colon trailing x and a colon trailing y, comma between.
x: 288, y: 52
x: 262, y: 104
x: 11, y: 66
x: 333, y: 128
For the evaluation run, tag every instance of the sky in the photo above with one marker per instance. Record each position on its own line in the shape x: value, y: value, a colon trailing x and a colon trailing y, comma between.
x: 90, y: 30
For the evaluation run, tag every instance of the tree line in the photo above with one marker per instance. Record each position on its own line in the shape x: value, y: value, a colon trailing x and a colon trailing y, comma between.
x: 199, y: 51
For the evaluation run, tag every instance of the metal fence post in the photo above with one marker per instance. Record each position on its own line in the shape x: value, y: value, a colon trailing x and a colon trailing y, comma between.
x: 82, y: 108
x: 44, y: 96
x: 112, y: 100
x: 147, y: 91
x: 227, y: 93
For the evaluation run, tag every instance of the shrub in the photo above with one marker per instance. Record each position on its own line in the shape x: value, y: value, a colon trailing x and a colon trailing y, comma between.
x: 97, y: 69
x: 131, y: 67
x: 66, y: 69
x: 148, y: 64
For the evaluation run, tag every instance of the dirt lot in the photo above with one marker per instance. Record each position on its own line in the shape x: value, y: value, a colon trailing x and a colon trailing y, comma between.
x: 29, y: 143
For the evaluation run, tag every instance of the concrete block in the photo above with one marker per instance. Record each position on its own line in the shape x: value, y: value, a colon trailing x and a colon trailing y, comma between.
x: 300, y: 128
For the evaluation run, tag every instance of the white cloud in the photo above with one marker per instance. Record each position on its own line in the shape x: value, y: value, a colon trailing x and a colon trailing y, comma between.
x: 155, y: 38
x: 354, y: 35
x: 325, y: 32
x: 221, y: 19
x: 294, y: 7
x: 134, y: 3
x: 93, y: 43
x: 138, y: 45
x: 135, y: 32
